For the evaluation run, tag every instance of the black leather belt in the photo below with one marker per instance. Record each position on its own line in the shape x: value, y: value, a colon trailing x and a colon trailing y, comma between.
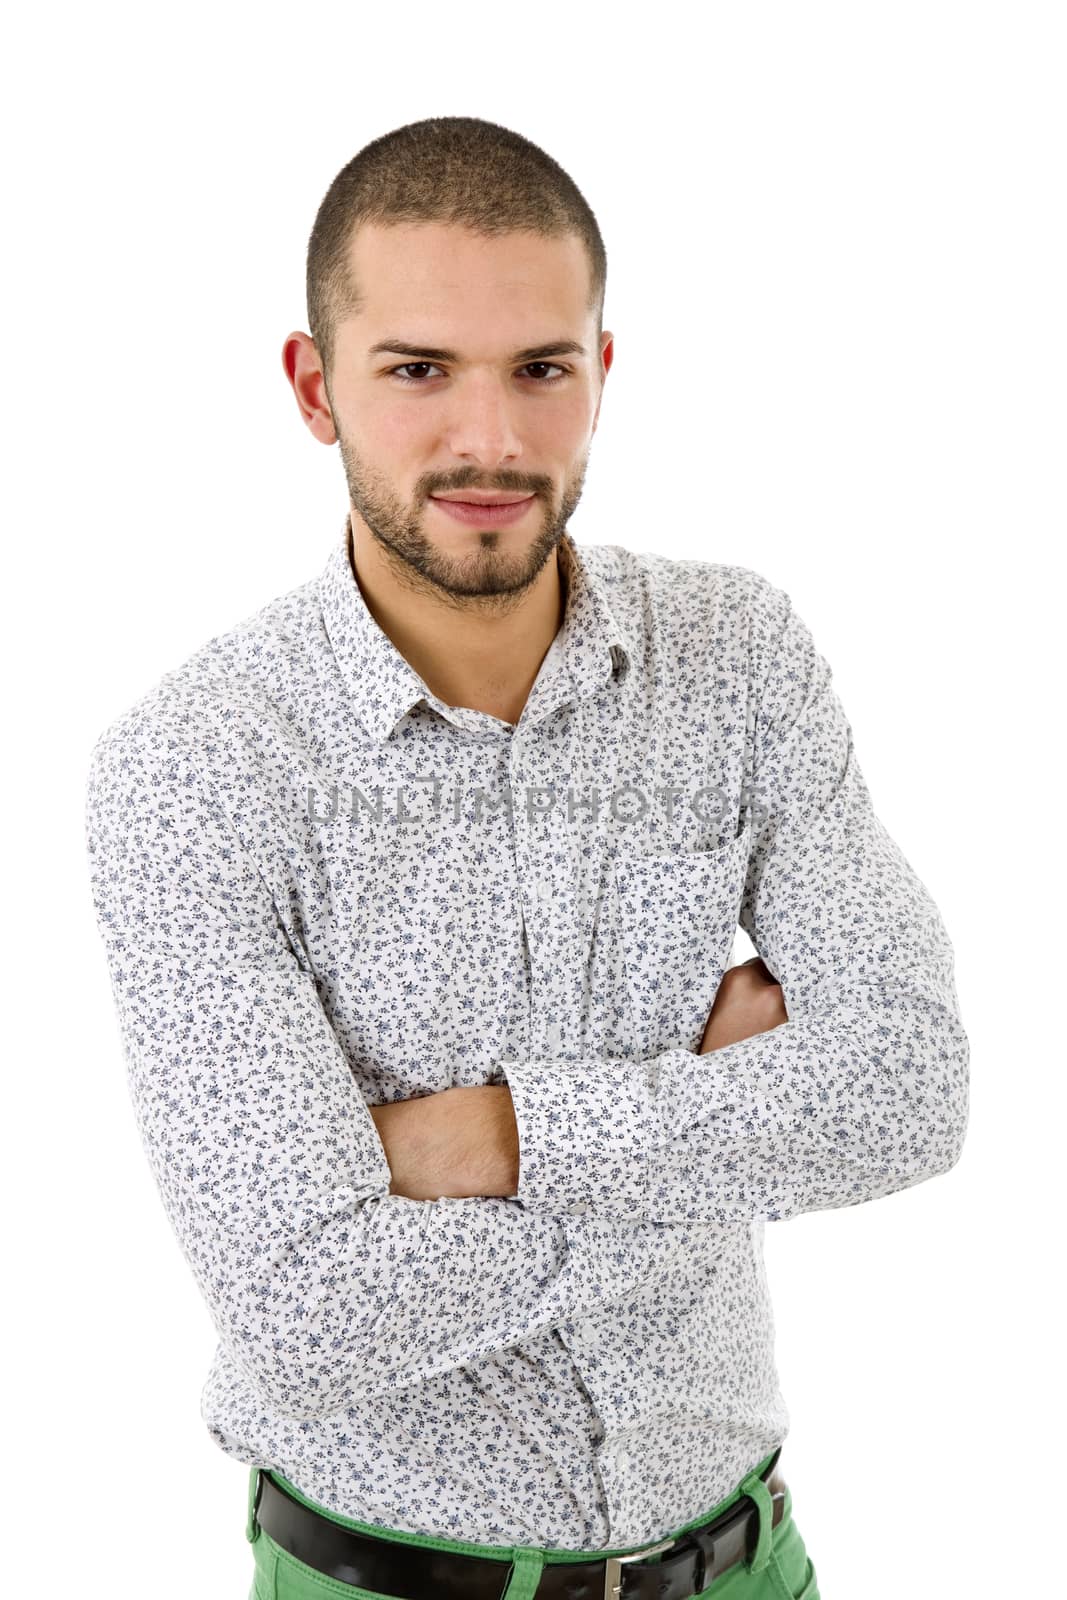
x: 414, y: 1572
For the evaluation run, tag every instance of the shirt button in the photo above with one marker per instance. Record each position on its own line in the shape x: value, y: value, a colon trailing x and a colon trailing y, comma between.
x: 544, y: 889
x: 553, y: 1033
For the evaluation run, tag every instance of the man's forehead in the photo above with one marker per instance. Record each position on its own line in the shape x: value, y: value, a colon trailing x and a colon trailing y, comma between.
x: 444, y: 260
x: 426, y: 298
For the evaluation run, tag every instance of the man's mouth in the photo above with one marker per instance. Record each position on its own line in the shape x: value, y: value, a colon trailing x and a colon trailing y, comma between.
x: 484, y: 513
x: 476, y: 497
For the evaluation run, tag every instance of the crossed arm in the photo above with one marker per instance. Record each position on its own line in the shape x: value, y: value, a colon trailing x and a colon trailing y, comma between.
x: 464, y: 1142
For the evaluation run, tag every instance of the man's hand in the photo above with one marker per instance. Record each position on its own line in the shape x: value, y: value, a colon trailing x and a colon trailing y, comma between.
x: 748, y: 1001
x: 460, y: 1143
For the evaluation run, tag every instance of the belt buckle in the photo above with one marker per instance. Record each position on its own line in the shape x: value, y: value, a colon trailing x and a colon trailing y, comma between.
x: 613, y: 1566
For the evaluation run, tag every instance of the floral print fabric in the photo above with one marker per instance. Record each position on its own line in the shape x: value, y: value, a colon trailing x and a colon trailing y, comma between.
x: 320, y: 888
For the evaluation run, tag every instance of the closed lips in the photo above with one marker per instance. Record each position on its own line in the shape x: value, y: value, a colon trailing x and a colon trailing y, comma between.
x: 460, y: 500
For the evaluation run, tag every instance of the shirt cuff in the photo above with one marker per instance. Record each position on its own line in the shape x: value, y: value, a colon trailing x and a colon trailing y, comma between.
x: 594, y: 1132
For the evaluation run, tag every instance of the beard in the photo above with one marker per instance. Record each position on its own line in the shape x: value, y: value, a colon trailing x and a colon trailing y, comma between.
x: 493, y: 575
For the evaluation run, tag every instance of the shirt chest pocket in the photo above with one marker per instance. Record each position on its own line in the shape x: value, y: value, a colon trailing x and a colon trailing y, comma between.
x: 677, y: 916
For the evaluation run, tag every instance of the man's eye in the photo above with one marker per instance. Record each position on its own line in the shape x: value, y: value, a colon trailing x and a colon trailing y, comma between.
x: 410, y: 366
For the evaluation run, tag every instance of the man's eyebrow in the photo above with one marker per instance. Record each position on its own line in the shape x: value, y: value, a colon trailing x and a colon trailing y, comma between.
x: 539, y: 352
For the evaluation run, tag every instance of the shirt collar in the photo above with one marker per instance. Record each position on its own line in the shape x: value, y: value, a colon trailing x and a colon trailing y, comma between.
x: 590, y: 649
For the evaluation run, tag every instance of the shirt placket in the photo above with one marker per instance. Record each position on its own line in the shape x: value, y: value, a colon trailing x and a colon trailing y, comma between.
x: 546, y: 886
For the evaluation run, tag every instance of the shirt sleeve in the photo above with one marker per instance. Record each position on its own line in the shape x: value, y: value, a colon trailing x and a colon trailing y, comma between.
x: 322, y: 1286
x: 863, y: 1091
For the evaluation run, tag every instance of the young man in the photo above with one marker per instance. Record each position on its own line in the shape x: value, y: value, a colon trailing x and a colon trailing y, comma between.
x: 419, y: 889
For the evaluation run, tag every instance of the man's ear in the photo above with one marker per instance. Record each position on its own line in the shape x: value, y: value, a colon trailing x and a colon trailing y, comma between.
x: 302, y: 367
x: 607, y: 350
x: 607, y: 355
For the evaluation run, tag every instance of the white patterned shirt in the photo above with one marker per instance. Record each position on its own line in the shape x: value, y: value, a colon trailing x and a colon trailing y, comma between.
x: 321, y: 888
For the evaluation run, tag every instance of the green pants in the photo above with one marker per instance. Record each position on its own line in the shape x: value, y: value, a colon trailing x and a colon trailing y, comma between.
x: 779, y: 1568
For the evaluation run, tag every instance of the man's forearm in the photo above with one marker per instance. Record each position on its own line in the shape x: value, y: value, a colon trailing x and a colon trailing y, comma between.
x: 462, y: 1143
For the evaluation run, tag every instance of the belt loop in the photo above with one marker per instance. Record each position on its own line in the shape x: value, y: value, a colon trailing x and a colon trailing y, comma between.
x: 525, y: 1576
x: 757, y: 1490
x: 252, y: 1528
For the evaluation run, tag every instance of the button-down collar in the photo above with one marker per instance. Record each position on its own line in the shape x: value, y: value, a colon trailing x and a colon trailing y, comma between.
x: 590, y: 647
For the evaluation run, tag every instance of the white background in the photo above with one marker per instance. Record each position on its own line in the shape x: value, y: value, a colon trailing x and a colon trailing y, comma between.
x: 836, y: 281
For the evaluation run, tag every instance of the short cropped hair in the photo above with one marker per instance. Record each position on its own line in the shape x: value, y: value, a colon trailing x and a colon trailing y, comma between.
x: 443, y: 169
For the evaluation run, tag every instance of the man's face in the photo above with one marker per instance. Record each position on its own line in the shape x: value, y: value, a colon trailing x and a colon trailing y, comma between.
x: 411, y: 427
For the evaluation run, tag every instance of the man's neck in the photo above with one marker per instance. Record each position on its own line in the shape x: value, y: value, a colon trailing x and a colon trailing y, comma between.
x: 486, y: 660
